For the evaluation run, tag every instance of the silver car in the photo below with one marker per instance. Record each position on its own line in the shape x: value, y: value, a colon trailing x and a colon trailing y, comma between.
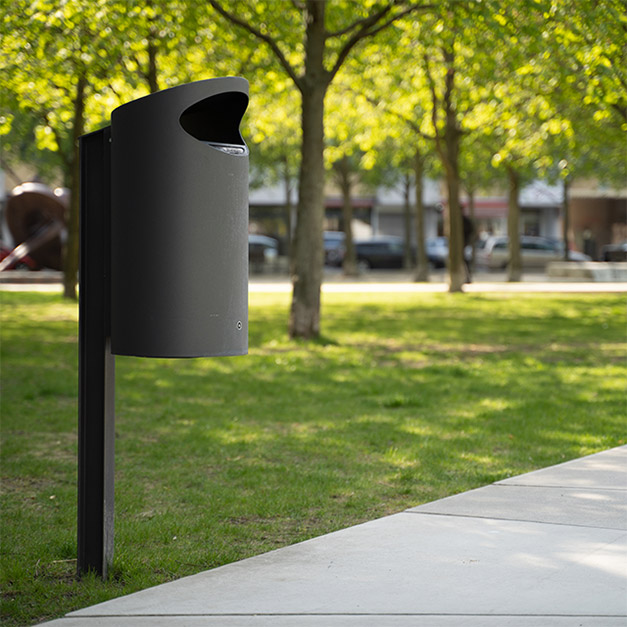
x: 536, y: 252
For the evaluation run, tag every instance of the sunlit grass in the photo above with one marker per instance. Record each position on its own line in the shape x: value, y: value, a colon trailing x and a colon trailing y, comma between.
x: 405, y: 399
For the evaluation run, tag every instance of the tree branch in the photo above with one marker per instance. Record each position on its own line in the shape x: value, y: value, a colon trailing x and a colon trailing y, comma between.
x: 359, y: 23
x: 65, y: 157
x: 398, y: 16
x: 270, y: 41
x: 413, y: 125
x: 449, y: 82
x: 114, y: 90
x: 367, y: 27
x: 621, y: 110
x: 434, y: 97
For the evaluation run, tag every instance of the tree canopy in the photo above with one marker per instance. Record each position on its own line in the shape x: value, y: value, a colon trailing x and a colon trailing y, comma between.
x: 537, y: 86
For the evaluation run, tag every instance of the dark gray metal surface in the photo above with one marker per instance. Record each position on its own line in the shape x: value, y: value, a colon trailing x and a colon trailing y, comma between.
x: 96, y: 390
x: 179, y: 223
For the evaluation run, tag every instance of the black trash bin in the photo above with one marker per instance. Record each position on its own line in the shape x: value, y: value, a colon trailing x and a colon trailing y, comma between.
x: 179, y: 222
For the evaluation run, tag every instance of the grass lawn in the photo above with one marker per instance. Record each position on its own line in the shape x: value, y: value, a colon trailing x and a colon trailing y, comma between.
x: 407, y: 399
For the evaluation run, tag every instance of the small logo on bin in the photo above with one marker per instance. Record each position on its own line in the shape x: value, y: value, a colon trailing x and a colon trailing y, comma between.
x: 239, y: 325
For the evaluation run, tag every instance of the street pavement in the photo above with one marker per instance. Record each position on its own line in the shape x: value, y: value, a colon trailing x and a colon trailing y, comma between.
x: 543, y: 549
x: 371, y: 281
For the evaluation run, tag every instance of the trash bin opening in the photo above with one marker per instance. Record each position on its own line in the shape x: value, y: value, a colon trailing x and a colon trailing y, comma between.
x: 216, y: 119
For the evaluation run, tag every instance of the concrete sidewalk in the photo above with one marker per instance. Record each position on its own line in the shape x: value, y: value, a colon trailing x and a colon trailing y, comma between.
x: 544, y: 549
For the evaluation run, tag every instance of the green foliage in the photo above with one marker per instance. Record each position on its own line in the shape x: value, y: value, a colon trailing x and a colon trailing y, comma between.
x: 46, y: 48
x: 565, y: 96
x: 530, y: 72
x: 18, y: 143
x: 272, y: 128
x: 538, y: 86
x: 406, y: 399
x: 587, y: 39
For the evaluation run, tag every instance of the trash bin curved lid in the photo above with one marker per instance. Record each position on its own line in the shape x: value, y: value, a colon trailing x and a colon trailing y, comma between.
x: 183, y: 96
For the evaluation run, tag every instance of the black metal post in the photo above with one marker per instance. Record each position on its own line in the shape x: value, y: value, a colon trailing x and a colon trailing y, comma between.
x: 96, y: 396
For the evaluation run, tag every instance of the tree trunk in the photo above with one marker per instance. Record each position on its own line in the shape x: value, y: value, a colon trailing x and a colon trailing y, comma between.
x: 407, y: 261
x: 449, y: 156
x: 313, y: 84
x: 309, y: 255
x: 152, y: 74
x: 448, y: 149
x: 422, y: 267
x: 349, y: 264
x: 471, y: 215
x: 287, y: 186
x: 566, y: 220
x: 71, y: 256
x: 513, y: 229
x: 457, y: 274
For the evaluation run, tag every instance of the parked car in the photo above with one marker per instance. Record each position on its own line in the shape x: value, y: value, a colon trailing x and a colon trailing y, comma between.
x: 262, y: 249
x: 380, y: 252
x: 536, y: 252
x: 614, y: 252
x: 334, y: 248
x: 437, y: 251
